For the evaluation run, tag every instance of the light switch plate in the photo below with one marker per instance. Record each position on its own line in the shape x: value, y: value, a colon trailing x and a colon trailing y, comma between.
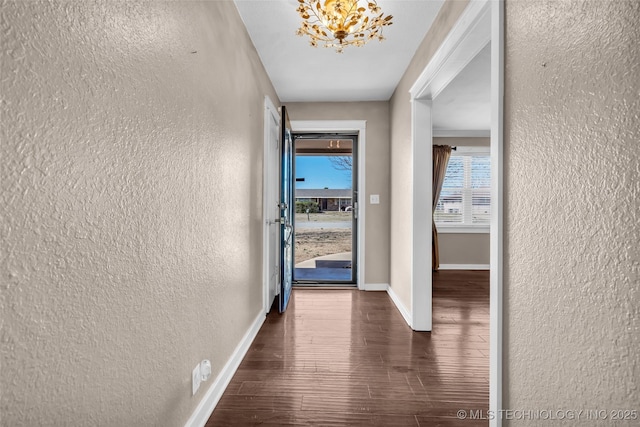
x: 374, y: 199
x: 196, y: 379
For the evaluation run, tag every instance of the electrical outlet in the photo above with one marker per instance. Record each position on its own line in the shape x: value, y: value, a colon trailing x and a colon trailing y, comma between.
x: 196, y: 379
x: 374, y: 199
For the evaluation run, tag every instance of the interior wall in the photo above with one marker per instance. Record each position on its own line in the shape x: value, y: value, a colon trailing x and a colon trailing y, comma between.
x: 131, y: 206
x: 572, y: 176
x: 401, y: 152
x: 377, y: 173
x: 463, y: 248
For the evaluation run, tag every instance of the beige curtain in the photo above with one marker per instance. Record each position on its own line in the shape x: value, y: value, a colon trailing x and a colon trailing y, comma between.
x: 441, y: 154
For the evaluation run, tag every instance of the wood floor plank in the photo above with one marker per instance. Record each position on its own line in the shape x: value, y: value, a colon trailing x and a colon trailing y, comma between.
x: 347, y: 358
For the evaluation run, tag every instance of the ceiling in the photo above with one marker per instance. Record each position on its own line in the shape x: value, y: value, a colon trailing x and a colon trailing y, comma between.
x: 301, y: 73
x: 465, y: 104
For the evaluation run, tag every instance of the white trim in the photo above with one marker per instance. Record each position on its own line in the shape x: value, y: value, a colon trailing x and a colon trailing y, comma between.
x: 359, y: 126
x: 375, y: 287
x: 208, y: 403
x: 400, y: 306
x: 497, y: 208
x: 422, y: 215
x: 328, y: 125
x: 270, y: 113
x: 448, y: 133
x: 465, y: 266
x: 481, y: 22
x: 465, y: 40
x: 467, y: 229
x: 467, y: 150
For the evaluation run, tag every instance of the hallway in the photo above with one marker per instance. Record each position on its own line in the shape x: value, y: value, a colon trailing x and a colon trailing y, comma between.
x: 347, y: 357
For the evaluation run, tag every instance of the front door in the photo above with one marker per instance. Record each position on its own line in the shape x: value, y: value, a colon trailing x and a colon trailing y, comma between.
x: 271, y: 203
x: 286, y: 211
x: 326, y: 194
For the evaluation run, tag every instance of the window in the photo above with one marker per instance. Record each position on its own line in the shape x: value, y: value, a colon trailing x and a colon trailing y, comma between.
x: 465, y: 199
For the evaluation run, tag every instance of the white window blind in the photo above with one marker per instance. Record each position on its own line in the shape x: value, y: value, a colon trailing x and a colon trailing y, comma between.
x: 465, y: 199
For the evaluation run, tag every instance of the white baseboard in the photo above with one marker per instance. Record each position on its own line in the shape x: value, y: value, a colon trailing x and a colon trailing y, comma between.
x: 464, y: 267
x: 401, y: 308
x: 210, y: 400
x: 375, y: 287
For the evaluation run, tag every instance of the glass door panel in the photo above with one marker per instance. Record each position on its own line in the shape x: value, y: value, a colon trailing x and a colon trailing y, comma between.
x: 326, y: 207
x: 286, y: 213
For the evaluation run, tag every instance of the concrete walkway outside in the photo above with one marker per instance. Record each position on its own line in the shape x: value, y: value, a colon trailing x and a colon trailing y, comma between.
x: 311, y: 263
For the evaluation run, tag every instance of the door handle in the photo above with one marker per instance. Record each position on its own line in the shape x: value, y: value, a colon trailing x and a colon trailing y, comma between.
x: 288, y: 227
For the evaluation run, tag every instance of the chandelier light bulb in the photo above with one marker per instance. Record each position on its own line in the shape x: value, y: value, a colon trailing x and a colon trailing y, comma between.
x: 341, y: 23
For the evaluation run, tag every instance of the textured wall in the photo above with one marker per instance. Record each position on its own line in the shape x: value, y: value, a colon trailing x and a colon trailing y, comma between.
x: 377, y: 168
x: 130, y: 206
x: 401, y: 152
x: 572, y: 172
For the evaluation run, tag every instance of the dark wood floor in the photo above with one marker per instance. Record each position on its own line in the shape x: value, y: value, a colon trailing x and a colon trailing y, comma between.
x: 347, y: 357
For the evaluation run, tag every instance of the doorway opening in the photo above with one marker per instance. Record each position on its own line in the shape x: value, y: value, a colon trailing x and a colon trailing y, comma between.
x: 326, y: 198
x: 481, y: 23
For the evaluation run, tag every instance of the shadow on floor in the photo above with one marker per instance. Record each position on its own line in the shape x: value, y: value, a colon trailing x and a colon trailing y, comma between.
x: 335, y: 268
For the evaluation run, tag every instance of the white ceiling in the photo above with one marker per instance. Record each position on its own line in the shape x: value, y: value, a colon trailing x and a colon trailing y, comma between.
x: 465, y: 104
x: 301, y: 73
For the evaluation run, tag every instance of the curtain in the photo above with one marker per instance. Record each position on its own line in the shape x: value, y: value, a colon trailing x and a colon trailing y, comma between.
x: 441, y: 154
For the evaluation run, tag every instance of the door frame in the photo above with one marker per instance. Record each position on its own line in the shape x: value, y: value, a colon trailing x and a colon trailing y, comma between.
x: 346, y: 126
x: 354, y: 138
x: 286, y: 209
x: 270, y: 182
x: 482, y: 21
x: 467, y: 38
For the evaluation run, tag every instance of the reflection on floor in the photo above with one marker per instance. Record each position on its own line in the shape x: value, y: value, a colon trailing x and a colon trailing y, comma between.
x: 330, y: 268
x: 348, y: 358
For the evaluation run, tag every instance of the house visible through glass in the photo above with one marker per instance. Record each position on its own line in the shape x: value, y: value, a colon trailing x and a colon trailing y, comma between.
x: 324, y: 197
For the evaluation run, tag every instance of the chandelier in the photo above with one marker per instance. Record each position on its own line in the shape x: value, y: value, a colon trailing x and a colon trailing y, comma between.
x: 341, y: 23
